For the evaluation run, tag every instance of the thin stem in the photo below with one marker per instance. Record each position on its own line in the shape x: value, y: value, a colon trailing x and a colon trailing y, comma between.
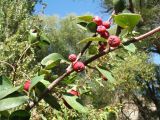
x: 8, y: 64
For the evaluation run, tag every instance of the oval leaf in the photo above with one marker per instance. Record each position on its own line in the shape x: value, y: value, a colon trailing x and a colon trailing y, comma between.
x: 9, y: 103
x: 107, y: 74
x: 5, y: 83
x: 35, y: 80
x: 44, y: 38
x: 82, y: 25
x: 50, y: 99
x: 92, y: 49
x: 92, y: 39
x: 52, y: 60
x: 74, y: 102
x: 131, y: 47
x: 92, y: 27
x: 127, y: 20
x: 20, y: 115
x: 86, y: 18
x: 4, y: 93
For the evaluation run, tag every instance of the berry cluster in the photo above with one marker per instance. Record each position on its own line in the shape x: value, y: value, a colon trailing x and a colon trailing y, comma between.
x: 102, y: 27
x: 77, y: 66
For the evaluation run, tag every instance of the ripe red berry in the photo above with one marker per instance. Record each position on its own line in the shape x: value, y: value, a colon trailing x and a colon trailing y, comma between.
x: 114, y: 41
x: 102, y: 47
x: 97, y: 20
x: 72, y: 57
x: 27, y: 85
x: 101, y: 29
x: 105, y: 35
x: 106, y: 24
x: 74, y: 92
x: 78, y: 66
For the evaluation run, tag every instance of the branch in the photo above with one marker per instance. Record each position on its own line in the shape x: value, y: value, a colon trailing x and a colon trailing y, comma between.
x: 135, y: 39
x: 8, y: 64
x: 69, y: 70
x: 55, y: 82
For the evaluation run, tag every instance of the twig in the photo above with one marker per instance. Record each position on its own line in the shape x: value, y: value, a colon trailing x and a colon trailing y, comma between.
x: 8, y: 64
x: 19, y: 60
x: 55, y: 82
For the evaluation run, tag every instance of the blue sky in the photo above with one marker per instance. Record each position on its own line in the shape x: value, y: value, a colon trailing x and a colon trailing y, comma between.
x: 78, y: 7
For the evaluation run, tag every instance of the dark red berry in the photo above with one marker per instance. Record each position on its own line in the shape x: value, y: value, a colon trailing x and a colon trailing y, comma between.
x: 74, y: 92
x: 27, y: 85
x: 97, y: 20
x: 106, y: 24
x: 72, y: 57
x: 101, y: 29
x: 105, y: 35
x: 78, y: 66
x: 102, y: 47
x: 114, y: 41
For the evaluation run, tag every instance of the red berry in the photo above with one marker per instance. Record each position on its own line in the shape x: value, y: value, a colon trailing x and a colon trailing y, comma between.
x: 78, y: 66
x: 97, y: 20
x: 72, y: 57
x: 74, y: 92
x: 27, y: 85
x: 106, y: 24
x: 114, y: 41
x: 101, y: 29
x: 102, y: 47
x: 105, y: 35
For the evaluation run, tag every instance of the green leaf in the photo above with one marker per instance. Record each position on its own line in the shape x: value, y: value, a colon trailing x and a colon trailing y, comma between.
x: 127, y: 20
x: 35, y: 80
x: 75, y: 103
x: 44, y: 38
x: 4, y: 115
x: 9, y: 103
x: 51, y: 100
x: 52, y: 60
x: 86, y: 18
x: 92, y: 49
x: 5, y: 83
x: 92, y: 39
x: 32, y: 35
x: 131, y: 47
x: 119, y: 5
x: 92, y: 27
x: 45, y: 82
x: 82, y: 25
x: 20, y: 115
x: 107, y: 74
x: 70, y: 79
x: 5, y: 92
